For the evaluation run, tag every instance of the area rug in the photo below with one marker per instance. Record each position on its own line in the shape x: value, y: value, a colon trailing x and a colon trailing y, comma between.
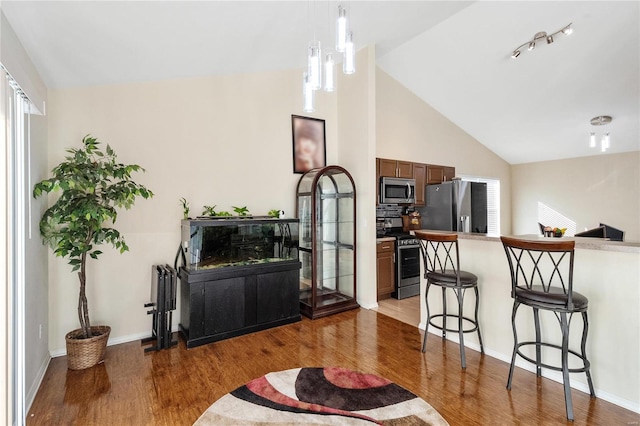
x: 321, y: 396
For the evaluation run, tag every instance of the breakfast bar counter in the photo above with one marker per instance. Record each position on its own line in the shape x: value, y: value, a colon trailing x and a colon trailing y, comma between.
x: 606, y: 272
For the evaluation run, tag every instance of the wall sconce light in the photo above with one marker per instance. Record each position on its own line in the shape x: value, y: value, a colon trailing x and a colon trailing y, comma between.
x: 542, y: 35
x: 605, y: 141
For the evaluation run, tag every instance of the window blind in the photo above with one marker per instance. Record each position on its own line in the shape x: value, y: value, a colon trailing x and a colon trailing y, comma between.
x: 493, y: 202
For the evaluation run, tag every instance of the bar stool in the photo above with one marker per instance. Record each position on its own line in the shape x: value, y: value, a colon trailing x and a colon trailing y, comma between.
x: 442, y: 268
x: 542, y: 278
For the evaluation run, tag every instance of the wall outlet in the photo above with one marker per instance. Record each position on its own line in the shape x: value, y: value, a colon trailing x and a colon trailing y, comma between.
x: 40, y: 332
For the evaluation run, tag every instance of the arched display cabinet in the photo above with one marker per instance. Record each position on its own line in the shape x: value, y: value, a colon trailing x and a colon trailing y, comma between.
x: 326, y: 208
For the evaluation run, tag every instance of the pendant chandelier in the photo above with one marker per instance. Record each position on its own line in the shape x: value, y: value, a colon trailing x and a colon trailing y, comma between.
x: 605, y: 142
x: 321, y: 68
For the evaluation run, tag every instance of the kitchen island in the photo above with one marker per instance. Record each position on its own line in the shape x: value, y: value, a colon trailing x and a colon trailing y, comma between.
x: 606, y: 272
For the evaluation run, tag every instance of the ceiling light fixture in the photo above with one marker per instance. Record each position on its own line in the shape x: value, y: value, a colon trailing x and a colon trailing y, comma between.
x: 605, y: 141
x: 316, y: 77
x: 542, y: 35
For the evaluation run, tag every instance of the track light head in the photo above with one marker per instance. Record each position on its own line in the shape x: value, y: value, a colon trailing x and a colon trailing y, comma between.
x: 541, y: 35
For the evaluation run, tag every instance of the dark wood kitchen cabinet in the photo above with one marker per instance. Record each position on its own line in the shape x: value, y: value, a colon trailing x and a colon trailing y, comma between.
x: 385, y: 269
x: 394, y: 168
x: 424, y: 174
x: 391, y: 168
x: 438, y: 174
x: 420, y: 176
x: 449, y: 173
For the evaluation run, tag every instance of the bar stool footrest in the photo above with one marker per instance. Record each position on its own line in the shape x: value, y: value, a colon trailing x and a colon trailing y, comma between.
x: 585, y: 361
x: 453, y: 330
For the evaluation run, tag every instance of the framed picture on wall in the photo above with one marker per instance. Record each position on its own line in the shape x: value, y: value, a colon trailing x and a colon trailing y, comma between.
x: 309, y: 143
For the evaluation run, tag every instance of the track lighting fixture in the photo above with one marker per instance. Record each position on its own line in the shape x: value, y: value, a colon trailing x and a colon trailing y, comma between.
x: 542, y: 35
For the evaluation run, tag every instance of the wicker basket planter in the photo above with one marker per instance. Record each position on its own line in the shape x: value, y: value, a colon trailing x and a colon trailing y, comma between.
x: 85, y: 353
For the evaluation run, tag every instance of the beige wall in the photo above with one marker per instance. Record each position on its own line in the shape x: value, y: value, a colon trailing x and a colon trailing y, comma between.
x: 588, y: 190
x: 356, y: 132
x: 215, y: 140
x: 409, y: 129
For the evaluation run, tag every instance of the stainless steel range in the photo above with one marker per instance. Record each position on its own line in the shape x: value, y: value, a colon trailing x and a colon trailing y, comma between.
x: 407, y: 248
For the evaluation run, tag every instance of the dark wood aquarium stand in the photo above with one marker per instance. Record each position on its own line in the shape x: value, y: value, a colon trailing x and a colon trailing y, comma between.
x: 216, y: 305
x: 240, y: 276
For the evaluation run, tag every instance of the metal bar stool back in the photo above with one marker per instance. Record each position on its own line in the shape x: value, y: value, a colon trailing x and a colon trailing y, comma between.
x: 542, y: 278
x: 440, y: 255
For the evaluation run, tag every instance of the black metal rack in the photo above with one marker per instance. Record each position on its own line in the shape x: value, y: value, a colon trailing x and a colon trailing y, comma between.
x: 163, y: 300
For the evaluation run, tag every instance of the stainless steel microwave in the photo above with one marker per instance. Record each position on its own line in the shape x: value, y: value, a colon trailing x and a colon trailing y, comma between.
x: 397, y: 191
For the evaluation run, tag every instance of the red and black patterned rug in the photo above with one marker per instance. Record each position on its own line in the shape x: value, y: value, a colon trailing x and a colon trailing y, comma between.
x: 330, y: 396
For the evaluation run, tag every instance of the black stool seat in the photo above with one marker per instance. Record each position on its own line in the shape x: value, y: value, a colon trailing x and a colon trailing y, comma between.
x: 449, y: 277
x: 442, y: 268
x: 553, y: 297
x: 542, y: 278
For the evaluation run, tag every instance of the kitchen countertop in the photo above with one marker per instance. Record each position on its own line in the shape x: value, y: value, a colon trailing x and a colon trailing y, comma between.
x: 384, y: 239
x: 581, y: 242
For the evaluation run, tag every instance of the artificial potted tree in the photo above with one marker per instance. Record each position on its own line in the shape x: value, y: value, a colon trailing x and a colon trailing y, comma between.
x: 92, y: 185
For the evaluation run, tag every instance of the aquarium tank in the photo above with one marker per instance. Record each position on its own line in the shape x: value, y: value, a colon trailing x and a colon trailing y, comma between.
x: 221, y: 242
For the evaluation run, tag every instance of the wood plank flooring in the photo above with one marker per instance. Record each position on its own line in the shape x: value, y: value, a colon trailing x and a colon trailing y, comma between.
x: 174, y: 386
x: 405, y: 310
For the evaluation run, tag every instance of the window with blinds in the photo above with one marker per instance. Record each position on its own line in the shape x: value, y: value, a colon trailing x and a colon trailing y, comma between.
x: 493, y: 202
x: 550, y: 217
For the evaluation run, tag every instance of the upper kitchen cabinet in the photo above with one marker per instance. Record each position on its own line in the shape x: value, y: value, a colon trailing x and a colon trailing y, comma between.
x: 394, y: 168
x: 439, y: 174
x: 449, y: 173
x: 423, y: 174
x: 420, y: 176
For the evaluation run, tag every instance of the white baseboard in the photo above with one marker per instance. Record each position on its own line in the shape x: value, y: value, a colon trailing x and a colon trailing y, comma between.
x: 112, y: 341
x: 33, y: 389
x: 368, y: 305
x: 556, y: 376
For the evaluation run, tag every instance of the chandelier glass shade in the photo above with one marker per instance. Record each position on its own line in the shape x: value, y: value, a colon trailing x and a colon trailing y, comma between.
x: 329, y: 73
x: 307, y: 94
x: 349, y: 62
x: 315, y: 65
x: 341, y: 29
x: 321, y: 66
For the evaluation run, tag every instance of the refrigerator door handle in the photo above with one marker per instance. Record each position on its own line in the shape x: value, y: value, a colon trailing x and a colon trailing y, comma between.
x: 464, y: 223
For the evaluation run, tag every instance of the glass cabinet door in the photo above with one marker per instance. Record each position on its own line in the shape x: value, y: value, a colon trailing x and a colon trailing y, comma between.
x: 326, y: 210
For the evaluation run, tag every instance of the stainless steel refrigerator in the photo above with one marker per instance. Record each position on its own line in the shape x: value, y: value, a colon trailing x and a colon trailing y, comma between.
x: 455, y: 206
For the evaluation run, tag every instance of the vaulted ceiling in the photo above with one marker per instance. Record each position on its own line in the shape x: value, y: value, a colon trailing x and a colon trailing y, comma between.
x: 453, y: 55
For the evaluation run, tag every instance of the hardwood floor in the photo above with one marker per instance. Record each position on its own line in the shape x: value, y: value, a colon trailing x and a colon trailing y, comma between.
x: 175, y: 386
x: 405, y: 310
